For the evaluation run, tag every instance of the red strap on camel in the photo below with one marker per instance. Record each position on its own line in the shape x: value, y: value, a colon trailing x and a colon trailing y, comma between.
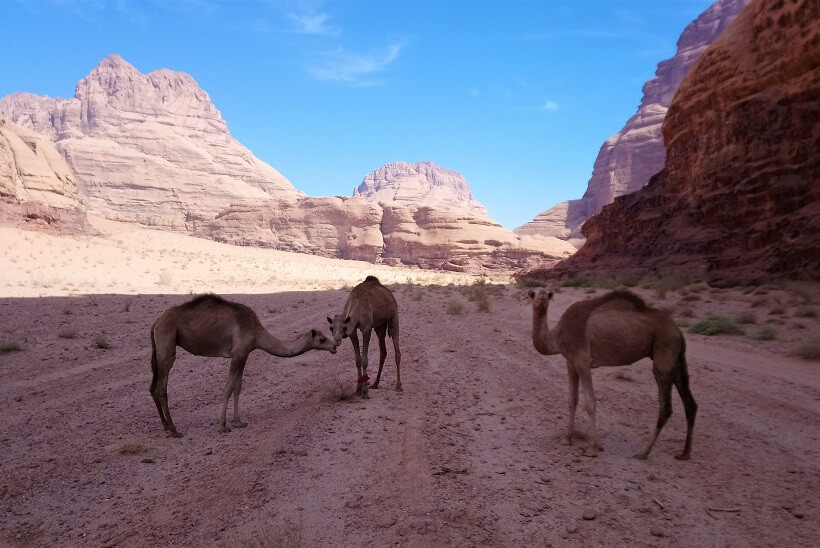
x: 364, y: 378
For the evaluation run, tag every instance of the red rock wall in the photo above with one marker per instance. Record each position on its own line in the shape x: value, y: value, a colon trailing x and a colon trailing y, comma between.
x: 739, y: 196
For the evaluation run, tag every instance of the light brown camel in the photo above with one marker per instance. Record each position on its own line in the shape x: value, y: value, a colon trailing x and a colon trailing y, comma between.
x: 211, y: 326
x: 370, y: 306
x: 615, y: 329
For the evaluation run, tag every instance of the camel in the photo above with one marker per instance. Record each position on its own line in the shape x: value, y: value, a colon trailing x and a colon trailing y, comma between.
x: 210, y: 326
x: 618, y: 328
x: 370, y: 306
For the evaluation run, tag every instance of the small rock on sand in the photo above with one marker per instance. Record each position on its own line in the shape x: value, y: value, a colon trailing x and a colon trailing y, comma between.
x: 657, y: 532
x: 589, y: 515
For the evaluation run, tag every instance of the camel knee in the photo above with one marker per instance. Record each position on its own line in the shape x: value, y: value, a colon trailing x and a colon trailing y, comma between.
x: 589, y: 406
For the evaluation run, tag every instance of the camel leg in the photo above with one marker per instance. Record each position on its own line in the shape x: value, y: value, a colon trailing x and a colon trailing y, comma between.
x: 585, y: 376
x: 237, y: 422
x: 381, y: 332
x: 365, y: 346
x: 169, y: 426
x: 237, y: 365
x: 397, y: 353
x: 354, y: 340
x: 573, y: 403
x: 664, y: 409
x: 691, y: 408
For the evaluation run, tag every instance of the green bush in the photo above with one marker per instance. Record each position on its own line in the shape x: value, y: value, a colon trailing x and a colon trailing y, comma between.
x: 716, y: 325
x: 764, y: 334
x: 809, y: 350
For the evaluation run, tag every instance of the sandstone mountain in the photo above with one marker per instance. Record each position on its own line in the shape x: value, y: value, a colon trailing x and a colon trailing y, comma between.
x: 149, y: 148
x: 434, y: 234
x: 37, y: 187
x: 420, y: 184
x: 629, y: 158
x: 738, y: 198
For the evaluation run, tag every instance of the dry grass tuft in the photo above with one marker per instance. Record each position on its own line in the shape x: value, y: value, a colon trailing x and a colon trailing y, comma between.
x: 809, y: 350
x: 746, y: 318
x: 454, y: 307
x: 7, y: 347
x: 101, y: 341
x: 67, y: 333
x: 716, y: 325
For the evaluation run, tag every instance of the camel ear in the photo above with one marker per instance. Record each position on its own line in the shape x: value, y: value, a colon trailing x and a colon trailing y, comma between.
x: 347, y: 320
x: 329, y: 320
x: 312, y: 332
x: 531, y: 293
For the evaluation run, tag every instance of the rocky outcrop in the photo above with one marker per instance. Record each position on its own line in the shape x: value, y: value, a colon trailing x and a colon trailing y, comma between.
x: 149, y: 148
x: 37, y: 187
x: 629, y: 158
x: 421, y: 184
x: 738, y: 198
x: 393, y: 231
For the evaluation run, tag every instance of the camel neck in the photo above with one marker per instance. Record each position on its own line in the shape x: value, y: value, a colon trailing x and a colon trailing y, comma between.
x: 284, y: 349
x: 542, y: 338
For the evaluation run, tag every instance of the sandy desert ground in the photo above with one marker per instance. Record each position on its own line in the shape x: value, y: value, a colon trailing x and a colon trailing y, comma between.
x: 466, y: 455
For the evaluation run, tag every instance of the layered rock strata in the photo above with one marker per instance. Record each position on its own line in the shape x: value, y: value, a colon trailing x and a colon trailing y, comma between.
x: 149, y: 148
x: 738, y: 199
x: 37, y: 187
x: 629, y: 158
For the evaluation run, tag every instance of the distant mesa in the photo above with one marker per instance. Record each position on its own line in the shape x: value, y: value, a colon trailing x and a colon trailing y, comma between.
x: 629, y: 158
x: 419, y: 184
x: 148, y: 148
x: 738, y: 198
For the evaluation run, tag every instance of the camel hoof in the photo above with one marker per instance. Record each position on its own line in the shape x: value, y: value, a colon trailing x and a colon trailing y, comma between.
x: 224, y: 430
x: 641, y: 456
x: 173, y: 434
x: 376, y: 386
x: 682, y: 456
x: 238, y: 424
x: 399, y: 388
x: 565, y: 440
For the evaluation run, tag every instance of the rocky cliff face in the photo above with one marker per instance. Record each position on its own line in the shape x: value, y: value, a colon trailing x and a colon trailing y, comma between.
x: 738, y: 198
x: 393, y: 230
x: 150, y: 148
x: 629, y: 158
x: 420, y: 184
x: 37, y: 187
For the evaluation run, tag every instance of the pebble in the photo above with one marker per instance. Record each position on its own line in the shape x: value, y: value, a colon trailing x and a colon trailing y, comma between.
x: 656, y: 532
x: 571, y: 528
x: 589, y: 515
x: 148, y: 461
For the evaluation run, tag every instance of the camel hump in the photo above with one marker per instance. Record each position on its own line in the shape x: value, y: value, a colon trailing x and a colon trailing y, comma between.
x: 628, y: 296
x: 205, y: 299
x: 372, y: 279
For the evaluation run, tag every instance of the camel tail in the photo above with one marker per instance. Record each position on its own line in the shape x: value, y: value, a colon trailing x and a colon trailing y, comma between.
x: 154, y: 366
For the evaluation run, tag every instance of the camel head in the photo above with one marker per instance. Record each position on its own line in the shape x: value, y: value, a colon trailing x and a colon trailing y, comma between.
x: 540, y: 298
x: 319, y: 341
x: 340, y: 327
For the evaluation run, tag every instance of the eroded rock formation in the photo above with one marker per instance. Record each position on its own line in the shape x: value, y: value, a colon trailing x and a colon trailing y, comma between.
x: 37, y: 187
x: 149, y: 148
x: 629, y: 158
x: 738, y: 198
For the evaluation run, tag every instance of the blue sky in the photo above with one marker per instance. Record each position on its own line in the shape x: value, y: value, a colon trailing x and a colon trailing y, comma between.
x: 517, y: 96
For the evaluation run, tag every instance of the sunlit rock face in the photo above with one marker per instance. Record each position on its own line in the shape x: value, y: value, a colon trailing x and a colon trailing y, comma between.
x: 37, y: 187
x: 629, y: 158
x: 150, y: 148
x: 737, y: 199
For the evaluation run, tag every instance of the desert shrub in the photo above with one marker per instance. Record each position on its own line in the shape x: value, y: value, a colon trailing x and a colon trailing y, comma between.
x: 101, y: 341
x: 131, y: 449
x: 527, y: 282
x: 800, y: 293
x: 809, y: 350
x: 674, y: 281
x: 764, y: 334
x: 454, y: 307
x: 577, y: 281
x: 805, y: 312
x: 164, y: 278
x: 777, y: 310
x: 7, y: 347
x: 687, y: 312
x: 716, y: 325
x: 690, y: 297
x: 682, y: 322
x: 760, y: 301
x: 67, y: 333
x: 747, y: 317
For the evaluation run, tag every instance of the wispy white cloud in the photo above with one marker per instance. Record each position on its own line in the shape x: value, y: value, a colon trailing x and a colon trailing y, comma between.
x: 312, y: 23
x: 357, y: 69
x: 549, y: 106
